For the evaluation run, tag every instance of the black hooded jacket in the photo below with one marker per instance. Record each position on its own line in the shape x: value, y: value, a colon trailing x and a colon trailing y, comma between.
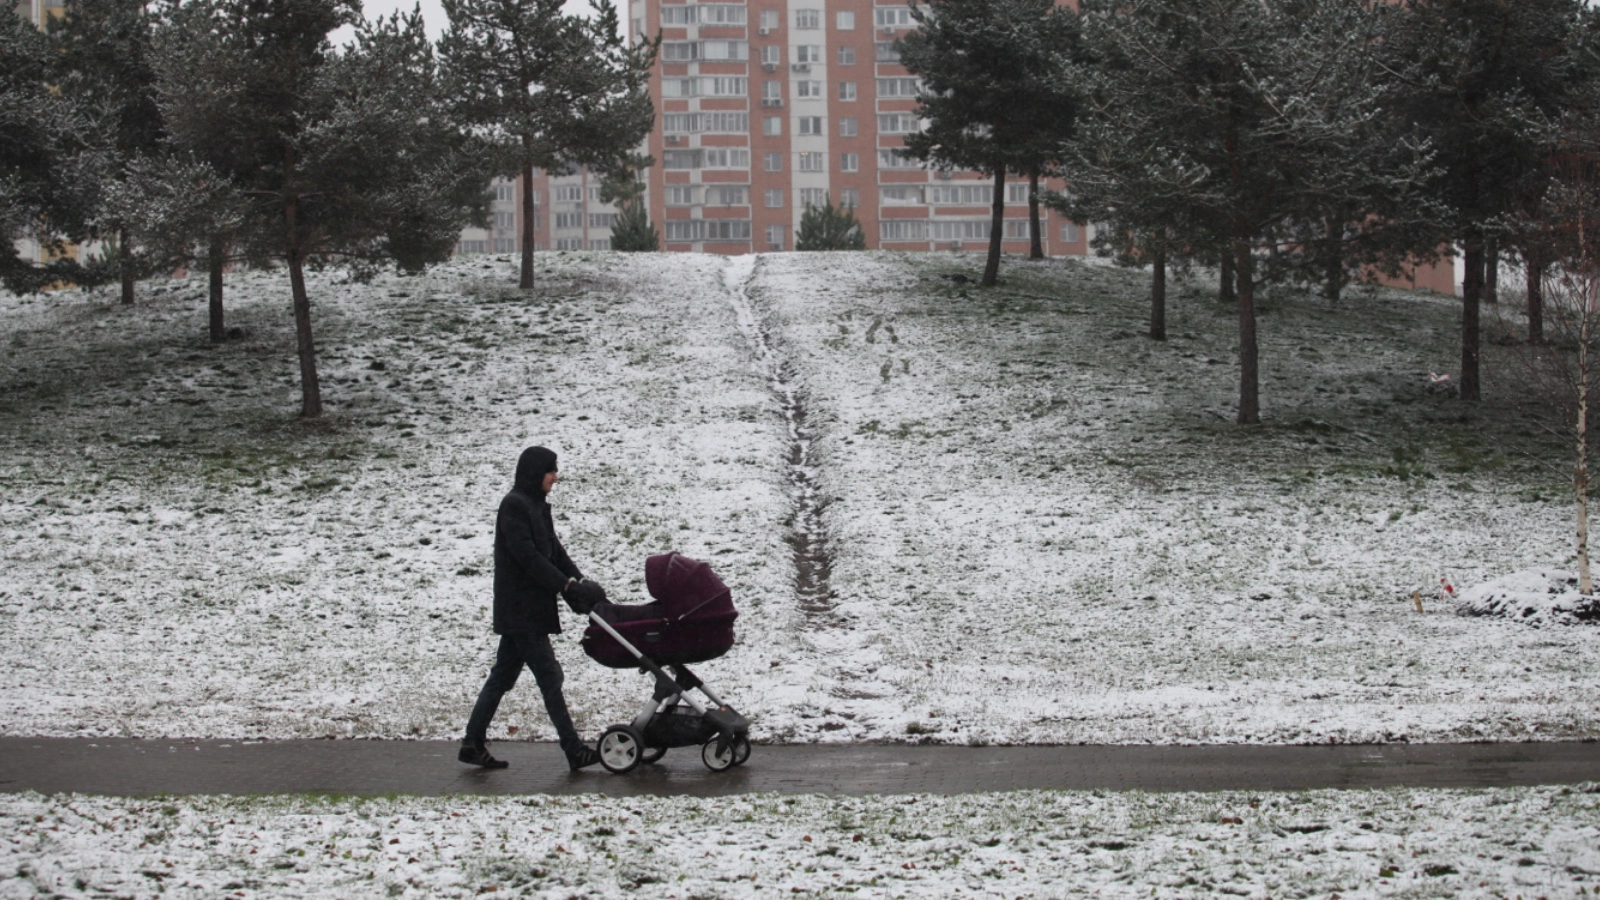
x: 530, y: 565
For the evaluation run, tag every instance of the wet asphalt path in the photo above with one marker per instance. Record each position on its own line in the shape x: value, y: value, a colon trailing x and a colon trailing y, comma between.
x: 132, y: 767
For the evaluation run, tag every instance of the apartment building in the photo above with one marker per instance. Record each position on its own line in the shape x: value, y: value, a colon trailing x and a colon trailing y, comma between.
x: 767, y: 106
x: 567, y: 215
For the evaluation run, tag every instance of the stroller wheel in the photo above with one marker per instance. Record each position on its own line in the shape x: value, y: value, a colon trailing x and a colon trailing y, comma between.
x: 620, y: 749
x: 717, y: 762
x: 741, y: 749
x: 652, y: 754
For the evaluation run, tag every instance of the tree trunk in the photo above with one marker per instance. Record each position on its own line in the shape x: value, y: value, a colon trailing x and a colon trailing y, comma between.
x: 1491, y: 271
x: 1225, y: 291
x: 1035, y: 229
x: 1580, y: 472
x: 1471, y: 299
x: 1333, y: 260
x: 526, y: 281
x: 310, y: 388
x: 125, y: 266
x: 1249, y: 373
x: 997, y: 221
x: 214, y: 261
x: 1158, y: 289
x: 1535, y: 263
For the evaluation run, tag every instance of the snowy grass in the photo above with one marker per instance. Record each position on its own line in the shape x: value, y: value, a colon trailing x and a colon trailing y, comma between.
x: 1533, y: 842
x: 1043, y: 526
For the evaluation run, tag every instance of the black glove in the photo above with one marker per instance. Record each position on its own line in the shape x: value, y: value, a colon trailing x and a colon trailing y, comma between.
x: 584, y: 596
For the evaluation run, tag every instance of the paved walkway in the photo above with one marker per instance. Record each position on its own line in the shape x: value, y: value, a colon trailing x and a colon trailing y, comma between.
x: 144, y: 767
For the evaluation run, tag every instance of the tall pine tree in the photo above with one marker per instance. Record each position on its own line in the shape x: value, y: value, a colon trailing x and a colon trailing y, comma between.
x: 48, y: 171
x: 993, y: 92
x: 103, y: 59
x: 343, y: 156
x: 1487, y: 80
x: 1218, y: 121
x: 548, y: 90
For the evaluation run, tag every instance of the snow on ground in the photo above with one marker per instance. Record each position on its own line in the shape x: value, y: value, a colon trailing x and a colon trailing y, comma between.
x: 1041, y: 527
x: 1538, y: 842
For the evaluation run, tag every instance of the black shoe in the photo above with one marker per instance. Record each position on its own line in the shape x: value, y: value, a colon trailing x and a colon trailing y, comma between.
x: 583, y: 759
x: 474, y: 753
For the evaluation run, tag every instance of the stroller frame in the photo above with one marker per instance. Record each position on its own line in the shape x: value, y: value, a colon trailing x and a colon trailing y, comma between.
x: 721, y: 732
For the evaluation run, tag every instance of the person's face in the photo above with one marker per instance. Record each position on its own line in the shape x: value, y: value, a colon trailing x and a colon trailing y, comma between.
x: 549, y: 481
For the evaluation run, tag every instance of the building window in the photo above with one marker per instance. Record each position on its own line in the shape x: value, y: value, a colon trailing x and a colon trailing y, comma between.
x: 809, y: 125
x: 897, y: 123
x: 725, y: 122
x: 774, y: 198
x: 1017, y: 192
x: 569, y: 220
x: 772, y: 90
x: 567, y: 193
x: 898, y: 87
x: 775, y: 237
x: 1017, y: 229
x: 472, y: 247
x: 504, y: 192
x: 676, y: 14
x: 902, y: 229
x: 807, y: 18
x: 569, y: 243
x: 729, y: 87
x: 726, y: 229
x: 772, y: 162
x: 680, y: 87
x: 808, y: 90
x: 602, y: 220
x: 680, y: 159
x: 883, y: 51
x: 847, y: 126
x: 728, y: 195
x: 726, y: 158
x: 850, y: 197
x: 772, y: 126
x: 600, y: 244
x: 504, y: 245
x: 845, y: 21
x: 895, y: 158
x: 771, y: 55
x: 847, y: 55
x: 769, y: 20
x: 900, y: 195
x: 679, y: 51
x: 681, y: 194
x: 505, y: 221
x: 847, y: 91
x: 1069, y: 232
x: 680, y: 123
x: 721, y: 14
x: 810, y: 162
x: 808, y: 53
x: 813, y: 197
x: 849, y: 162
x: 892, y: 17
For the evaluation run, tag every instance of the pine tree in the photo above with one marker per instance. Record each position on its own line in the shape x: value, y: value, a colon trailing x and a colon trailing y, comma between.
x: 992, y: 91
x: 344, y: 157
x: 548, y: 90
x: 48, y: 171
x: 828, y: 227
x: 1487, y: 80
x: 102, y: 53
x: 1210, y: 124
x: 633, y: 231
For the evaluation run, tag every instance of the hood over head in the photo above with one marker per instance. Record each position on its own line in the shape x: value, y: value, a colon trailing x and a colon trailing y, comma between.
x: 532, y: 466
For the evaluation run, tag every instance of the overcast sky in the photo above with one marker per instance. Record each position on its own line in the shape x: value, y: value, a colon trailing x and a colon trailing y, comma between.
x: 433, y: 11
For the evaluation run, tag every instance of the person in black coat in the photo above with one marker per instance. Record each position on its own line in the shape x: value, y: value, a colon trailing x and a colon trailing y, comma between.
x: 531, y: 569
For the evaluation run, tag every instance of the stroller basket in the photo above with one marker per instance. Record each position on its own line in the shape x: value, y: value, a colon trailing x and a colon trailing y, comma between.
x: 690, y: 620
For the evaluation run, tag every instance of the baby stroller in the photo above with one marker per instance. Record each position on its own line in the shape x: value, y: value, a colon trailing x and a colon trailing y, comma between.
x: 690, y: 621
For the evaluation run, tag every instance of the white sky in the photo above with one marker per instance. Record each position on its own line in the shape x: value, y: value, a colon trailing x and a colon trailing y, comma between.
x: 433, y: 11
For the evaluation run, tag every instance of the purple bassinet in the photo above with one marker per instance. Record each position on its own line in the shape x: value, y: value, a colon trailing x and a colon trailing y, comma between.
x: 690, y: 621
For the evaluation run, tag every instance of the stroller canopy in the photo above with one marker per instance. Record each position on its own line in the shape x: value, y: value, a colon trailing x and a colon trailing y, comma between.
x: 686, y: 586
